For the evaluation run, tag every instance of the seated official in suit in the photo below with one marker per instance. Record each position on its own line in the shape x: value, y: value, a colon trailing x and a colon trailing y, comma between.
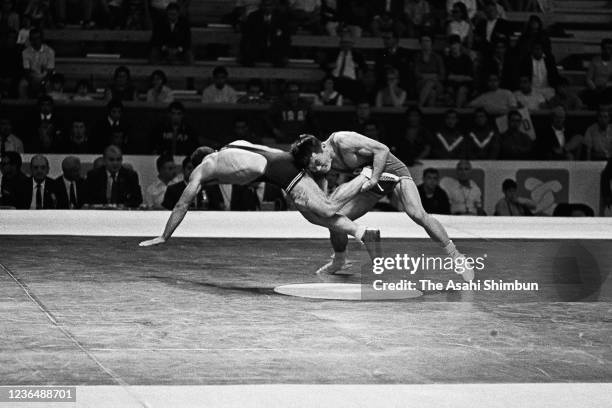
x: 11, y: 177
x: 70, y: 186
x: 113, y: 183
x: 38, y: 191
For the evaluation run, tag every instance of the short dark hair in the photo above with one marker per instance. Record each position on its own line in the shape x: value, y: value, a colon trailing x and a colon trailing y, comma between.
x: 120, y: 69
x: 430, y: 170
x: 163, y: 159
x: 303, y: 148
x: 159, y: 73
x: 200, y: 153
x: 14, y: 157
x: 114, y: 103
x: 220, y: 70
x: 173, y: 6
x: 186, y: 161
x: 176, y: 105
x: 508, y: 184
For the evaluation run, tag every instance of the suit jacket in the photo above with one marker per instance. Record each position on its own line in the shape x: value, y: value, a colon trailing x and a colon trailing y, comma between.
x: 10, y: 189
x: 25, y: 190
x: 547, y: 142
x: 163, y: 35
x: 129, y: 191
x: 259, y: 33
x: 502, y: 30
x: 526, y: 68
x: 105, y: 132
x: 63, y: 200
x: 174, y: 192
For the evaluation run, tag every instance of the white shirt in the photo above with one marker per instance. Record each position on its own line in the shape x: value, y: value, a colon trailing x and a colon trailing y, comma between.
x: 42, y: 194
x: 463, y: 200
x: 67, y: 184
x: 212, y: 94
x: 13, y: 144
x: 540, y: 73
x: 532, y: 101
x: 490, y: 28
x: 349, y: 65
x: 560, y: 134
x: 154, y: 196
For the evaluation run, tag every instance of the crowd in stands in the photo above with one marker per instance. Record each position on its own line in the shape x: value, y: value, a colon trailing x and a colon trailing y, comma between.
x: 467, y: 58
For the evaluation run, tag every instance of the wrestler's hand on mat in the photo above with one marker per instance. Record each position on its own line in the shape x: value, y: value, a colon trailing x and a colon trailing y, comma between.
x: 151, y: 242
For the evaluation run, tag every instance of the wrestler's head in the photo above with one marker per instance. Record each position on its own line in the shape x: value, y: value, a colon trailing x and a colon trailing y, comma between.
x: 309, y: 153
x: 199, y: 155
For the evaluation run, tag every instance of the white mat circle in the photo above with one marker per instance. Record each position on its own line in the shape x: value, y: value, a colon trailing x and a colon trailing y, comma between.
x: 343, y: 291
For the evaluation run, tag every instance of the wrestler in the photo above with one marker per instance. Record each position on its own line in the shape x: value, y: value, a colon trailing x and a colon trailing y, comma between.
x: 241, y: 162
x: 346, y: 152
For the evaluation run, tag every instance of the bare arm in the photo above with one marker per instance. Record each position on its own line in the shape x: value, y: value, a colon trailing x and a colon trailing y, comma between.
x: 180, y: 209
x: 364, y: 146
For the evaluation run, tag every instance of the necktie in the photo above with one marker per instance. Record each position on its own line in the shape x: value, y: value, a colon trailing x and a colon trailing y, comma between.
x: 73, y: 200
x: 342, y: 65
x: 39, y: 200
x: 114, y: 190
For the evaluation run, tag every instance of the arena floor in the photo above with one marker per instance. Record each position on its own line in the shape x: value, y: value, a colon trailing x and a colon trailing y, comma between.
x: 82, y: 307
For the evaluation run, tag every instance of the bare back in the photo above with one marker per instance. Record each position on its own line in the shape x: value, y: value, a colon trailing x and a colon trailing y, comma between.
x: 348, y: 155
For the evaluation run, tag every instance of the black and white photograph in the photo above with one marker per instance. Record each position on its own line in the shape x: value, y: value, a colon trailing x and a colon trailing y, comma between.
x: 305, y: 203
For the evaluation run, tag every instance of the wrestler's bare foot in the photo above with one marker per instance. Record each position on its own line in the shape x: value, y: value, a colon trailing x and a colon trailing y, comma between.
x: 336, y: 265
x: 468, y: 273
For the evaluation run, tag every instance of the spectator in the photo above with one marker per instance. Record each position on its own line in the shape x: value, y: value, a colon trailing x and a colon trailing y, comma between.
x: 23, y: 91
x: 392, y: 56
x: 38, y: 59
x: 166, y: 172
x: 56, y: 91
x: 291, y: 116
x: 242, y: 131
x: 512, y: 205
x: 219, y: 91
x: 175, y: 136
x: 414, y: 143
x: 556, y: 142
x: 527, y: 97
x: 114, y: 14
x: 515, y: 144
x: 47, y: 134
x: 471, y: 7
x: 158, y: 8
x: 9, y: 19
x: 11, y: 67
x: 598, y: 137
x: 348, y: 68
x: 8, y: 141
x: 159, y: 92
x: 86, y: 12
x: 306, y: 14
x: 463, y: 193
x: 491, y: 29
x: 542, y: 69
x: 363, y: 116
x: 23, y: 35
x: 70, y: 186
x: 605, y: 188
x: 385, y: 19
x: 79, y: 142
x: 565, y: 97
x: 500, y: 63
x: 171, y: 38
x: 391, y: 95
x: 429, y: 73
x: 371, y: 130
x: 533, y: 33
x: 82, y: 91
x: 330, y: 16
x: 113, y: 184
x: 242, y: 10
x: 417, y: 17
x: 113, y: 129
x: 434, y: 199
x: 254, y: 93
x: 210, y: 198
x: 460, y: 73
x: 357, y: 15
x: 137, y: 15
x: 328, y: 95
x: 121, y: 88
x: 599, y: 77
x: 449, y: 142
x: 11, y: 177
x: 495, y: 101
x: 38, y: 192
x: 484, y: 140
x: 266, y: 36
x: 460, y: 25
x: 40, y: 13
